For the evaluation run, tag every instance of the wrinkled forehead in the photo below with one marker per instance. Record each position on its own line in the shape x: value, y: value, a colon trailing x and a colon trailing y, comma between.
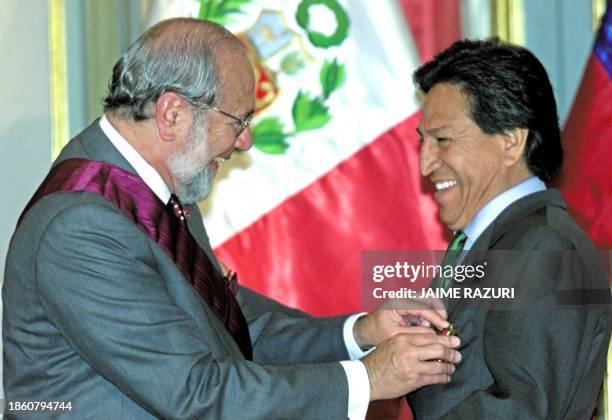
x: 444, y: 105
x: 236, y: 73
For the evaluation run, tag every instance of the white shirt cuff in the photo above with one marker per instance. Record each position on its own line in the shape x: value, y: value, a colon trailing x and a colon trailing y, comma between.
x: 358, y: 388
x: 355, y: 353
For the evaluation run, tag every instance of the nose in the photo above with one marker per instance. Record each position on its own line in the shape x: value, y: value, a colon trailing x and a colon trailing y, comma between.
x: 428, y: 157
x: 244, y: 140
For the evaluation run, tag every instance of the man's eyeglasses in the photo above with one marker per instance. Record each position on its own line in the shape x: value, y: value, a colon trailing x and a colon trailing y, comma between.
x: 243, y: 123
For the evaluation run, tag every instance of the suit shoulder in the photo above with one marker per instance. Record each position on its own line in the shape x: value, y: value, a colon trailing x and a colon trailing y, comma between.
x: 86, y: 212
x: 549, y: 228
x: 75, y: 215
x: 66, y: 204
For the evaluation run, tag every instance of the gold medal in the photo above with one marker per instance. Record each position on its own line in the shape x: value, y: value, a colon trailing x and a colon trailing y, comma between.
x: 450, y: 330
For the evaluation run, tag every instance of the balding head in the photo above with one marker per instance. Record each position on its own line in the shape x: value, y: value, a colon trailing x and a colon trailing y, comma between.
x: 180, y: 55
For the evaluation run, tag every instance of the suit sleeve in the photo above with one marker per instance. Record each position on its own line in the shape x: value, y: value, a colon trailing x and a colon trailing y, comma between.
x: 98, y: 283
x: 536, y: 356
x: 280, y: 334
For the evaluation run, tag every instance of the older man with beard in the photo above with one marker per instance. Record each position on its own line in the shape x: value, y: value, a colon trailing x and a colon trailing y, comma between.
x: 114, y: 304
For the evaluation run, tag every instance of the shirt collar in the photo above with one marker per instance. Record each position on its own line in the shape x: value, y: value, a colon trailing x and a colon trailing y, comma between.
x: 148, y: 174
x: 493, y: 208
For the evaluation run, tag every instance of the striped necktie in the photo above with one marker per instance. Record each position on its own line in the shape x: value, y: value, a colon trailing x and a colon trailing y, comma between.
x: 217, y: 291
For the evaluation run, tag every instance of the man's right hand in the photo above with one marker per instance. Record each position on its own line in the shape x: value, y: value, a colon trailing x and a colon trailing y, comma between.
x: 407, y: 362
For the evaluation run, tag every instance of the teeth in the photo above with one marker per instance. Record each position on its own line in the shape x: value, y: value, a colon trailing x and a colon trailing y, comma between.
x: 220, y: 160
x: 441, y: 186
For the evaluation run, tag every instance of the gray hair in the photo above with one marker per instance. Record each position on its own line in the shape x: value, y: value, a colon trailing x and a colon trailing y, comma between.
x: 175, y: 55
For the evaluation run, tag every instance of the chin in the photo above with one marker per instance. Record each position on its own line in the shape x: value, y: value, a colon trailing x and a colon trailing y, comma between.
x: 450, y: 224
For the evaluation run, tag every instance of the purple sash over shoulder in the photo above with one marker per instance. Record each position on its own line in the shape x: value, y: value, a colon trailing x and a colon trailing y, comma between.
x: 137, y: 202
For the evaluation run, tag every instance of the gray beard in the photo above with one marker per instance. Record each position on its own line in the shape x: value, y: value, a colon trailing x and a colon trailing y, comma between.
x: 195, y: 183
x: 197, y: 188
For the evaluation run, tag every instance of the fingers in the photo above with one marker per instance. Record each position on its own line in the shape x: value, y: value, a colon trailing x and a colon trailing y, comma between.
x: 435, y: 347
x: 424, y: 317
x: 436, y: 373
x: 435, y: 379
x: 412, y: 320
x: 434, y: 368
x: 407, y: 362
x: 419, y: 330
x: 435, y: 317
x: 439, y: 352
x: 428, y: 347
x: 427, y: 339
x: 425, y: 312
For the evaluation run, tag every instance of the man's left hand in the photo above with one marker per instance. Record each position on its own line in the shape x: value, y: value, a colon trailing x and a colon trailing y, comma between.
x: 396, y: 316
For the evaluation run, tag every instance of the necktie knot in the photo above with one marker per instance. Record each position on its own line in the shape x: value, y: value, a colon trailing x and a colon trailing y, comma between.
x: 452, y: 252
x: 458, y: 241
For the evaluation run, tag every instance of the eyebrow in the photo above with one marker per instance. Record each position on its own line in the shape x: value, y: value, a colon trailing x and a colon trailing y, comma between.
x: 434, y: 131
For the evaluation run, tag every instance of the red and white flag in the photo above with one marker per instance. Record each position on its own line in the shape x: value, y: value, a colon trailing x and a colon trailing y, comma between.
x: 334, y: 167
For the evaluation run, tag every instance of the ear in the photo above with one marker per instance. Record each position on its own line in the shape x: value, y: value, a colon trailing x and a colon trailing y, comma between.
x: 168, y: 112
x: 514, y: 142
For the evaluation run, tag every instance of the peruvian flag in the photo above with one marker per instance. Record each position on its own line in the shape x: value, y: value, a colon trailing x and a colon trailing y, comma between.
x: 586, y: 180
x: 334, y: 168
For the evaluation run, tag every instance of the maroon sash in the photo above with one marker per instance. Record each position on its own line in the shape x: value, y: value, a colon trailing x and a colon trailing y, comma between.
x: 138, y: 203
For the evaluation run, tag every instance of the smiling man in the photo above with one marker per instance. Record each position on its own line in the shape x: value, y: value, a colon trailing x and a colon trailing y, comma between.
x: 114, y: 304
x: 489, y: 141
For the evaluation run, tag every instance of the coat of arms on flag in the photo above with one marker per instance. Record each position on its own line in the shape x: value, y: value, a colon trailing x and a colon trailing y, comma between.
x: 280, y: 58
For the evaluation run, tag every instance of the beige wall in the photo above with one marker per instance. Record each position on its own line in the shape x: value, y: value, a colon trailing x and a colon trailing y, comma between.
x: 24, y: 110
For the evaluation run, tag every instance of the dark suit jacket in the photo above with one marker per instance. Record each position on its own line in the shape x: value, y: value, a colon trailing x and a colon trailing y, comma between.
x: 95, y: 313
x: 542, y: 356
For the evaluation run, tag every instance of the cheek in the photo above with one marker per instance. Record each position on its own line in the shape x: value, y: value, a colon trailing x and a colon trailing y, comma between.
x: 480, y: 165
x: 219, y: 131
x: 222, y: 139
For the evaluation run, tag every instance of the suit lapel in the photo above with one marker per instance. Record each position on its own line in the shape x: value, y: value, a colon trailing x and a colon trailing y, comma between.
x: 475, y: 256
x: 502, y: 225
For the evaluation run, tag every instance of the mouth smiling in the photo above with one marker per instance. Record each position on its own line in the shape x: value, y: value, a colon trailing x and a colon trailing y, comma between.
x: 217, y: 162
x: 445, y: 185
x: 220, y: 160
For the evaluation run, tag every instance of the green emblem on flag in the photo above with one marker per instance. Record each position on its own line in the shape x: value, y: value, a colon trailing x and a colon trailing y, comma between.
x: 219, y: 11
x: 270, y: 36
x: 332, y: 77
x: 308, y: 112
x: 318, y: 39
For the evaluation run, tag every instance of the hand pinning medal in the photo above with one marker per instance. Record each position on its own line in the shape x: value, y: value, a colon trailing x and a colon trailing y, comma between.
x: 450, y: 330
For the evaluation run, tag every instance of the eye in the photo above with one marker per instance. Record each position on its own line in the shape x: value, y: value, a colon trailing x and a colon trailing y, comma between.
x: 442, y: 139
x: 236, y: 127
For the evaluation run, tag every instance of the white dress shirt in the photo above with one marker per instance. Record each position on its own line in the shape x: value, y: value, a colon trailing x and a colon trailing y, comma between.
x: 356, y: 373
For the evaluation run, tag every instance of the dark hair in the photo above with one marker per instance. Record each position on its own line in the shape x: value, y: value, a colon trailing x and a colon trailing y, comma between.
x: 175, y: 55
x: 506, y: 88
